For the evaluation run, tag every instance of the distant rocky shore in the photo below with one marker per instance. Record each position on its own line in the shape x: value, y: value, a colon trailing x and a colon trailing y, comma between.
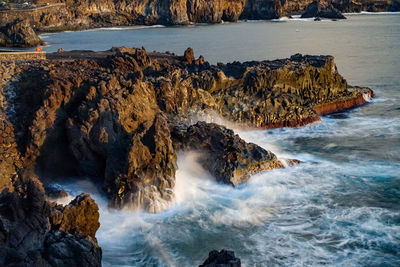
x: 18, y: 21
x: 121, y: 116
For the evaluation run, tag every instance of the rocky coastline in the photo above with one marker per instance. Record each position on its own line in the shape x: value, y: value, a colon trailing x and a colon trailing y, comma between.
x: 121, y: 116
x: 18, y: 23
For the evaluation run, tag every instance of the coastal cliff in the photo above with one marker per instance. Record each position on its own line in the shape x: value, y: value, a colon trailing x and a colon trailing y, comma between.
x: 60, y: 15
x: 33, y: 230
x: 121, y: 116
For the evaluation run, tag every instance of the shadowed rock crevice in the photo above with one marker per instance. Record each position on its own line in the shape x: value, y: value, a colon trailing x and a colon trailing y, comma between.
x: 27, y: 86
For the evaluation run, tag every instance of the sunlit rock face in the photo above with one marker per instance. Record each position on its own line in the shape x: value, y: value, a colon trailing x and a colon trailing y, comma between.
x: 121, y: 116
x: 82, y: 14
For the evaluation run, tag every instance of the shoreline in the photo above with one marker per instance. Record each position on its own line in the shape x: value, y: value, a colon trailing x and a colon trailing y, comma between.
x: 122, y: 27
x: 126, y: 114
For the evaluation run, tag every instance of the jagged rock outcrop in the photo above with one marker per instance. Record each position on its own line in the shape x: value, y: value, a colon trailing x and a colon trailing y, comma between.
x: 19, y: 33
x: 225, y: 155
x: 322, y: 9
x: 29, y: 234
x: 223, y: 258
x: 121, y: 115
x: 28, y: 239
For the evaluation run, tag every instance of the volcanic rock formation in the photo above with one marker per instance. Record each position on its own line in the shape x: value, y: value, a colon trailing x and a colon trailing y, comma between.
x: 19, y: 33
x: 225, y: 155
x: 35, y: 232
x: 121, y: 115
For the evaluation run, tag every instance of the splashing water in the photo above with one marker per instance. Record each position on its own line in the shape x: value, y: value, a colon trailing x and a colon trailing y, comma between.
x: 340, y: 207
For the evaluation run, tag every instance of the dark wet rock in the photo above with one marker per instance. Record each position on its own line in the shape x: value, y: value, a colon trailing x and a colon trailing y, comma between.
x: 19, y: 33
x: 223, y: 258
x: 54, y: 192
x: 64, y: 249
x: 28, y: 239
x: 322, y: 9
x: 223, y: 153
x: 395, y: 6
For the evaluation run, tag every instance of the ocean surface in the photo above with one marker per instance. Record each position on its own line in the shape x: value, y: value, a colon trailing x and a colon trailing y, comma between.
x: 341, y: 207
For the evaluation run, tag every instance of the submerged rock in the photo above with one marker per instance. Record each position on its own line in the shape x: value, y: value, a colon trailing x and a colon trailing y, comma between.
x: 223, y: 258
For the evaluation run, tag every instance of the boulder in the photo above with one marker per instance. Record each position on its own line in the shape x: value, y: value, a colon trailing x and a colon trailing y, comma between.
x: 79, y: 218
x: 223, y: 258
x: 223, y: 153
x: 19, y: 33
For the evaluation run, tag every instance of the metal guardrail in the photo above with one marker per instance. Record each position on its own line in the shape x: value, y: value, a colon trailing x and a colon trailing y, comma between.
x: 5, y: 56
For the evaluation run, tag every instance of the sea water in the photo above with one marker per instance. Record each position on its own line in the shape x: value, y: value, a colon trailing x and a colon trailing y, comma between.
x: 340, y: 207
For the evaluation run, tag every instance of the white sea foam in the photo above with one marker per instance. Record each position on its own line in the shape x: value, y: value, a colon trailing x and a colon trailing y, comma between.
x: 191, y: 179
x: 122, y: 28
x: 286, y: 19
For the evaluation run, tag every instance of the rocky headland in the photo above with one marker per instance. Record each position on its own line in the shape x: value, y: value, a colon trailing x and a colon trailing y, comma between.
x: 61, y: 15
x: 121, y: 116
